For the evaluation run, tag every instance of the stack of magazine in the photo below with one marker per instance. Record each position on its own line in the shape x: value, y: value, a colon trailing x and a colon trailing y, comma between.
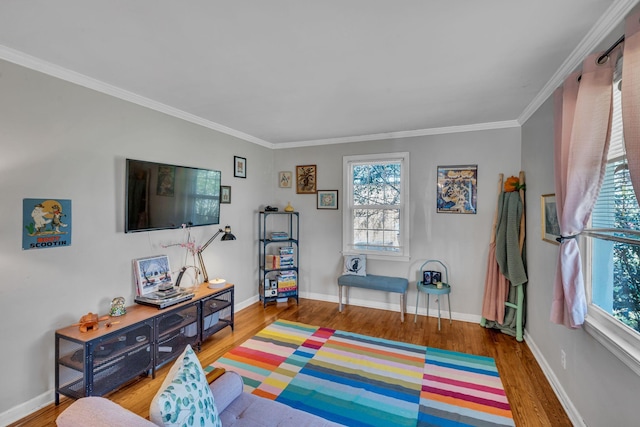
x: 154, y: 285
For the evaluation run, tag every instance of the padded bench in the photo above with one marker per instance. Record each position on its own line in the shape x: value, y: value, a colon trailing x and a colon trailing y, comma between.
x: 378, y: 283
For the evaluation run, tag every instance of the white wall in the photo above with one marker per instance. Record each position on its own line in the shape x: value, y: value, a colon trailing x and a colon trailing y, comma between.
x: 59, y: 140
x: 460, y: 241
x: 596, y: 386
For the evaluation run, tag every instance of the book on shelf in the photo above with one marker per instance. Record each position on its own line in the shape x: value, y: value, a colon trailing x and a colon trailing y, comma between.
x: 279, y: 235
x: 286, y: 250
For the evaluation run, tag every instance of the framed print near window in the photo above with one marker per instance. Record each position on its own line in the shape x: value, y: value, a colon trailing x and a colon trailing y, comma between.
x: 549, y: 218
x: 457, y: 189
x: 284, y: 179
x: 239, y: 167
x: 306, y: 179
x: 327, y: 199
x: 225, y: 194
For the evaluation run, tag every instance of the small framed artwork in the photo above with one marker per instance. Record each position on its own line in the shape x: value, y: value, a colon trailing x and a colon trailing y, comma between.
x: 225, y: 194
x: 457, y: 189
x: 239, y: 167
x: 152, y: 274
x: 306, y: 179
x: 284, y: 179
x: 327, y: 199
x: 549, y: 218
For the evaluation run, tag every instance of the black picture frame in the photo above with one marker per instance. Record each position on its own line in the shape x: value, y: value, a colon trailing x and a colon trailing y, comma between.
x: 239, y: 167
x: 225, y: 194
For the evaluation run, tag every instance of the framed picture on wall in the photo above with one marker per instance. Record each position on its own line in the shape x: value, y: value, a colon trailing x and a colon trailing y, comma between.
x: 549, y: 218
x: 457, y: 189
x: 284, y: 179
x: 306, y: 179
x: 327, y: 199
x: 239, y: 167
x: 225, y: 194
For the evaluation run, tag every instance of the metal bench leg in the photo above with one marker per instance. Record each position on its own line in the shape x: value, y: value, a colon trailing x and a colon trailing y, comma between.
x: 340, y: 298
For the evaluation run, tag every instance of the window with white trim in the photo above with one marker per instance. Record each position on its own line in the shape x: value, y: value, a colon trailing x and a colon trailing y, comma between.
x: 376, y: 205
x: 613, y: 252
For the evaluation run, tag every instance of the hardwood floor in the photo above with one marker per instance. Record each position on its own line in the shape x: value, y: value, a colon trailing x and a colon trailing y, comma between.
x: 532, y: 399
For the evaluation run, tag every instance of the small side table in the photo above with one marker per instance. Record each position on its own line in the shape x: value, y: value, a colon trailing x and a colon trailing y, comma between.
x: 432, y: 289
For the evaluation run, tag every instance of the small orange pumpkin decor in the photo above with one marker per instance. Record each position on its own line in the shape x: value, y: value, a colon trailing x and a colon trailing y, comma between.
x: 512, y: 184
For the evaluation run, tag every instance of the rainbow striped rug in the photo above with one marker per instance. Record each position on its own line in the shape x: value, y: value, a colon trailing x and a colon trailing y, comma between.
x: 358, y: 380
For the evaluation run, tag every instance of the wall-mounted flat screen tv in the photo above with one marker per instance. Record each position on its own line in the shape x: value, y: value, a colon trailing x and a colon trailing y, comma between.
x: 161, y: 196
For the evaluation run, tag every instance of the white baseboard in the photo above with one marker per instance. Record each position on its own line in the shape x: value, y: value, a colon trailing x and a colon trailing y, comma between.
x: 411, y: 310
x: 17, y: 412
x: 567, y: 404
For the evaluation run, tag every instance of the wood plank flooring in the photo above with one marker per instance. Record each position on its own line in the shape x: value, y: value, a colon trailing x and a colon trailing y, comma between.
x: 532, y: 399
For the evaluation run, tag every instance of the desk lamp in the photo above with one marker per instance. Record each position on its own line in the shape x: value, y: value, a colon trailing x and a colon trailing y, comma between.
x: 226, y: 236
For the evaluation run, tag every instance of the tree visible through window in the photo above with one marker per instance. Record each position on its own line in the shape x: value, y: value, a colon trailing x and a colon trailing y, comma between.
x: 615, y: 252
x: 376, y: 191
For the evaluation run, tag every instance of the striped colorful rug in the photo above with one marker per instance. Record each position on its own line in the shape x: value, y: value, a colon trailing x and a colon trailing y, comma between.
x: 358, y: 380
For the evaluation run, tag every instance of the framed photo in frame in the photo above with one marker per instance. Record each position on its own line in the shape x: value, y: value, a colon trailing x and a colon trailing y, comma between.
x: 549, y: 224
x: 152, y: 274
x: 225, y: 194
x: 327, y: 199
x: 239, y: 167
x: 306, y: 179
x: 457, y: 188
x: 284, y: 179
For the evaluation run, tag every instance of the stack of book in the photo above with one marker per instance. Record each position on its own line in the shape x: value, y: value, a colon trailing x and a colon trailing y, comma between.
x: 279, y: 235
x: 287, y: 283
x: 284, y: 259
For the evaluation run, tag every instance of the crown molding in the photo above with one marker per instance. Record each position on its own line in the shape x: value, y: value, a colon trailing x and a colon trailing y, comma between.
x: 609, y: 20
x: 400, y: 134
x: 33, y: 63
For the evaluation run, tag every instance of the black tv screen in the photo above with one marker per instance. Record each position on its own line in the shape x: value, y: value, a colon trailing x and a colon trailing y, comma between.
x: 161, y: 196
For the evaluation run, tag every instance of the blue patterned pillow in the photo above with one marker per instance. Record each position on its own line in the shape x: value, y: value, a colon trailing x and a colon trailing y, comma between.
x: 184, y: 398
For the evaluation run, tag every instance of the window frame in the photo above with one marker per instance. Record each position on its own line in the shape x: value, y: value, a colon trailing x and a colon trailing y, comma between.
x: 614, y: 335
x: 347, y: 213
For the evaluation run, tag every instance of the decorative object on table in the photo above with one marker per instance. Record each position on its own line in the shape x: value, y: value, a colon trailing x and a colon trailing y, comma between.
x: 117, y: 307
x: 225, y: 194
x: 549, y: 218
x: 90, y: 322
x: 431, y: 277
x: 288, y: 208
x: 239, y: 167
x: 327, y: 199
x: 284, y: 179
x: 217, y: 283
x: 46, y: 223
x: 355, y: 264
x: 306, y: 179
x: 457, y: 189
x: 226, y: 236
x: 271, y: 209
x: 152, y: 274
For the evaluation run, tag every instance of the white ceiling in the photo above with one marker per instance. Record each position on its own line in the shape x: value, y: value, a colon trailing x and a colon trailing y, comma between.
x: 297, y: 72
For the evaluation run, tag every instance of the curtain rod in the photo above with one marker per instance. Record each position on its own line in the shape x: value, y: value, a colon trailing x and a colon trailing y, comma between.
x: 608, y: 51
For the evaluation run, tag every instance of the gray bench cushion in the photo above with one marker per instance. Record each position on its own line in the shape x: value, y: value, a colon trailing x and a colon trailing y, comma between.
x: 379, y: 283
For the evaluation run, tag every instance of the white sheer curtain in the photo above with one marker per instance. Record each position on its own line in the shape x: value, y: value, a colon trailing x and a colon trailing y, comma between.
x: 582, y: 127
